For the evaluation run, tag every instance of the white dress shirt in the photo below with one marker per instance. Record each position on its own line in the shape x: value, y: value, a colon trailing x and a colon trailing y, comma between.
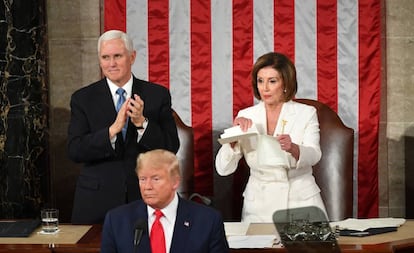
x: 167, y: 221
x: 128, y: 91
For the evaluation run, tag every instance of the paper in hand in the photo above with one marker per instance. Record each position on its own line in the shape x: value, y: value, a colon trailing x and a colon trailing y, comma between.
x: 269, y: 152
x: 235, y: 133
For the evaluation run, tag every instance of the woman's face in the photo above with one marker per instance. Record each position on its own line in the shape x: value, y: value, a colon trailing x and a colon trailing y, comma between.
x: 270, y: 86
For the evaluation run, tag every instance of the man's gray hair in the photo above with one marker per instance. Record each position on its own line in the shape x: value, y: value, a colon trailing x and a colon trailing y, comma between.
x: 116, y: 34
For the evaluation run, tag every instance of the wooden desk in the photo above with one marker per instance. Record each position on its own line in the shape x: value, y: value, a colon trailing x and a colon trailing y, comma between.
x: 71, y: 238
x: 401, y: 241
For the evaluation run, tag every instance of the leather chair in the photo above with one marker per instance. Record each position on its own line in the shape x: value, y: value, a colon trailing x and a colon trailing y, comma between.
x: 185, y: 156
x: 333, y: 173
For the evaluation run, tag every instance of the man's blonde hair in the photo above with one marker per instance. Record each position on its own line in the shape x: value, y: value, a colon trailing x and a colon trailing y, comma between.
x: 159, y: 158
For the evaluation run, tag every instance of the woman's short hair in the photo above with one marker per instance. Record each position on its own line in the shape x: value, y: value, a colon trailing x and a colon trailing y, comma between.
x: 284, y: 66
x: 116, y: 34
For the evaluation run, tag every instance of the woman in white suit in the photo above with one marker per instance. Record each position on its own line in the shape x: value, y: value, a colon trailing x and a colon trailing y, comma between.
x: 294, y: 125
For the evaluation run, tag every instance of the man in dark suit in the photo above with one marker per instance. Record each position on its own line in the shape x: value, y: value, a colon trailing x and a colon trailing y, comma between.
x: 188, y: 226
x: 109, y: 127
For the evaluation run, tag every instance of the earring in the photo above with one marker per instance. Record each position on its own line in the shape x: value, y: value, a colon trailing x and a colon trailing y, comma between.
x: 284, y: 91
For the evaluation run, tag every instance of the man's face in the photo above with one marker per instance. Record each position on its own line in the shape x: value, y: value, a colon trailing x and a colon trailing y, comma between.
x: 157, y: 186
x: 116, y: 61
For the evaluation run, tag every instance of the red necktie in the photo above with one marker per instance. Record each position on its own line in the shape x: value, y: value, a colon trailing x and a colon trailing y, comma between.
x: 157, y: 234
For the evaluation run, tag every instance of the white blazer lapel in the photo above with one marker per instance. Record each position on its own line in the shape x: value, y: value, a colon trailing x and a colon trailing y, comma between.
x: 261, y: 118
x: 286, y: 119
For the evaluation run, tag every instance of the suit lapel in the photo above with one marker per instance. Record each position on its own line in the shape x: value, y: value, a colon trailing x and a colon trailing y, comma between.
x: 137, y: 88
x: 260, y: 118
x: 104, y: 98
x: 182, y: 228
x: 288, y: 114
x: 141, y: 213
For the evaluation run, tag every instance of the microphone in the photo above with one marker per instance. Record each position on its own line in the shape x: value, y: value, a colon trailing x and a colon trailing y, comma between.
x: 139, y: 228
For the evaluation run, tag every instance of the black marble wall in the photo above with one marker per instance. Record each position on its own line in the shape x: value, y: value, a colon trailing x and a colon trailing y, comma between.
x: 24, y: 177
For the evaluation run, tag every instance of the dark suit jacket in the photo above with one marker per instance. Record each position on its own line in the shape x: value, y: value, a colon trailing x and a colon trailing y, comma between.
x: 198, y: 229
x: 107, y: 178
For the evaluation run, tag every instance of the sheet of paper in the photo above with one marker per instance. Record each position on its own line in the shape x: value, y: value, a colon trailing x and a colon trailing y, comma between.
x: 363, y: 224
x: 235, y: 133
x: 253, y: 241
x: 269, y: 152
x: 236, y: 228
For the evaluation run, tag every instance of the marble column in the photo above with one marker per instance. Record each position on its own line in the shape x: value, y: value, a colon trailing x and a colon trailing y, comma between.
x: 24, y: 176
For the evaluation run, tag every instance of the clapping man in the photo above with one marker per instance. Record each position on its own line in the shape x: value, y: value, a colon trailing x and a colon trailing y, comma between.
x: 112, y: 121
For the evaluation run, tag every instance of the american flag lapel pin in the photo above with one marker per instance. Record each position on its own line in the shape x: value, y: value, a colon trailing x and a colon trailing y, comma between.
x: 186, y: 223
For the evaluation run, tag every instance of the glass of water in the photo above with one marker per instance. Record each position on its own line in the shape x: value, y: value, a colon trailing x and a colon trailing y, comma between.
x: 50, y: 220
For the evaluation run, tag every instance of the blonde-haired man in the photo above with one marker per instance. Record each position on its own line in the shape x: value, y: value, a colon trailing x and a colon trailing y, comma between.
x: 188, y: 226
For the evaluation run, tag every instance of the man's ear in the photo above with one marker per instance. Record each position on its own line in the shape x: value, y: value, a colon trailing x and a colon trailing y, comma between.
x: 177, y: 181
x: 133, y: 56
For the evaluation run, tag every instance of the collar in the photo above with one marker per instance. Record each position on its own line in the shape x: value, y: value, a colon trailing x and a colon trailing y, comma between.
x: 170, y: 211
x: 127, y: 87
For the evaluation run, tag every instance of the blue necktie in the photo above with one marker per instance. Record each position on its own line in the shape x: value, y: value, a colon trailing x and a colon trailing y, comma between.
x: 121, y: 92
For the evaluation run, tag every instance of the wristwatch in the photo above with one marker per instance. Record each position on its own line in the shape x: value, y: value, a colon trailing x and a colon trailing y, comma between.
x: 144, y: 125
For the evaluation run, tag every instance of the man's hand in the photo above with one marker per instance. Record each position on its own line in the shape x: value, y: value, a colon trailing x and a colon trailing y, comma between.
x: 121, y: 119
x: 135, y: 110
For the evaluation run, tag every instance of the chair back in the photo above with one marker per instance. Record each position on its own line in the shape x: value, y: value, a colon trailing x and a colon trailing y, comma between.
x: 334, y: 172
x: 185, y: 156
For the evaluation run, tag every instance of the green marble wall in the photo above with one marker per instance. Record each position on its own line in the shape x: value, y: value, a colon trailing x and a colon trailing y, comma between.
x: 24, y: 108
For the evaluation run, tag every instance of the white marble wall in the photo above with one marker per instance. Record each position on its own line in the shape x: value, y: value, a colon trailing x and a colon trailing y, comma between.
x: 75, y: 25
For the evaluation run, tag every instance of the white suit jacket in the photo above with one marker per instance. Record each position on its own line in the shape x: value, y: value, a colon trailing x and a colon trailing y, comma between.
x: 294, y: 186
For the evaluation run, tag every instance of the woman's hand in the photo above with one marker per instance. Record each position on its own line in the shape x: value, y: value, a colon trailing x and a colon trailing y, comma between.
x: 287, y: 145
x: 243, y: 122
x: 285, y: 141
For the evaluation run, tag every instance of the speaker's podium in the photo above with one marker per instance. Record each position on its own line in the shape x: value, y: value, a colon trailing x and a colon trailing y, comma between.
x: 305, y: 230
